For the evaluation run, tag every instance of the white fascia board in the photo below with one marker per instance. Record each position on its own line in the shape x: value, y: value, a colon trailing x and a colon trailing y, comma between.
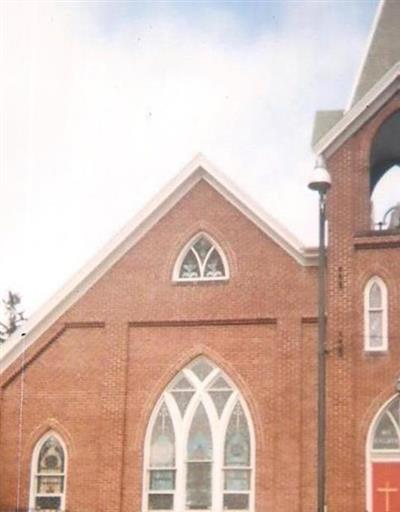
x: 258, y: 216
x: 199, y: 168
x: 365, y: 108
x: 366, y: 53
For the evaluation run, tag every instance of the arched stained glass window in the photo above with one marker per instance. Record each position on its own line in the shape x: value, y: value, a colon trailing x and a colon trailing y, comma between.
x: 375, y: 315
x: 199, y: 445
x: 386, y: 435
x: 48, y: 474
x: 201, y: 259
x: 383, y: 464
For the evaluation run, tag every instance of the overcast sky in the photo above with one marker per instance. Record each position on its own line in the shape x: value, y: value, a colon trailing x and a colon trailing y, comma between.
x: 103, y: 103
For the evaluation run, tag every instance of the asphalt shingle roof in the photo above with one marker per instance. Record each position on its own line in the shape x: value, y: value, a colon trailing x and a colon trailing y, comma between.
x: 383, y: 51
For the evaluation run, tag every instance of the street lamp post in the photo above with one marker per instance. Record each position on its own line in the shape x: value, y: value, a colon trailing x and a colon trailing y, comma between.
x: 321, y: 182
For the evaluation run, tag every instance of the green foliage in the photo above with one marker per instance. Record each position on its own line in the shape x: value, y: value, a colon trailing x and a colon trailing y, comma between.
x: 13, y: 315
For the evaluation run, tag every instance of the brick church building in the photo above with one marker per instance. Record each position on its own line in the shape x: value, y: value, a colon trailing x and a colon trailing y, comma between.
x: 177, y: 371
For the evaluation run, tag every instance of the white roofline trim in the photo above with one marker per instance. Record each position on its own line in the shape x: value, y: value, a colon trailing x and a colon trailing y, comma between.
x: 360, y: 112
x: 366, y: 53
x: 199, y: 168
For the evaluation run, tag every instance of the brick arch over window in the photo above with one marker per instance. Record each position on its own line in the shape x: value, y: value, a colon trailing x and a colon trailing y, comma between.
x: 201, y: 259
x: 383, y: 459
x: 199, y: 447
x: 385, y: 149
x: 48, y: 473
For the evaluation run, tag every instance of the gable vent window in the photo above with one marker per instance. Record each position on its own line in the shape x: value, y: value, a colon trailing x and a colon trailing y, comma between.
x: 201, y: 260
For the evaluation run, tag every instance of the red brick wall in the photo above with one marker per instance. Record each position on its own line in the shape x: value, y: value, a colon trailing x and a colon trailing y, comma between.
x: 358, y: 383
x: 97, y: 373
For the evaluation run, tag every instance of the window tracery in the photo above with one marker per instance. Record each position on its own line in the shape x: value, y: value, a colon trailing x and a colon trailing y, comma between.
x: 200, y: 260
x: 48, y: 475
x: 207, y: 457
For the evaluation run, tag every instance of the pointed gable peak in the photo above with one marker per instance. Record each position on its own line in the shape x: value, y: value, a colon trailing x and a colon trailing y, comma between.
x: 383, y: 49
x: 198, y: 169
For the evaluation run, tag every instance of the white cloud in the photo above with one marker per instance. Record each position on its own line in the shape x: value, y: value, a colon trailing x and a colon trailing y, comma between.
x: 95, y: 124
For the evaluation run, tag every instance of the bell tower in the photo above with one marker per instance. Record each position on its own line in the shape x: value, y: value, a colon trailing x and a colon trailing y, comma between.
x: 361, y: 146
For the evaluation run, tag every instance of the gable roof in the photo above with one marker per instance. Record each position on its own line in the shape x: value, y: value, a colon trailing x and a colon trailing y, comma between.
x: 383, y: 49
x: 359, y: 114
x: 377, y: 81
x: 198, y: 169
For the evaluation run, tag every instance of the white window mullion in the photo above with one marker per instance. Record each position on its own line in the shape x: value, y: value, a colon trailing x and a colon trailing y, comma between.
x: 180, y: 469
x: 205, y: 380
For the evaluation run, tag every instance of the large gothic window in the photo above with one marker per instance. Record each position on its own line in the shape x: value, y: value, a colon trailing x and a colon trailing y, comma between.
x: 375, y: 315
x: 383, y: 465
x: 199, y: 447
x: 48, y: 473
x: 201, y: 260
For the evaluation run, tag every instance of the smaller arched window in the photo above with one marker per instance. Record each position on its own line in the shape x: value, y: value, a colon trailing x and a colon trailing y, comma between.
x: 48, y: 473
x: 201, y: 260
x: 386, y: 433
x: 375, y: 315
x: 383, y: 457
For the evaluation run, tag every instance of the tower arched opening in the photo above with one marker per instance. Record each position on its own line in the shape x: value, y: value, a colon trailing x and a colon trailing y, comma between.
x: 384, y: 176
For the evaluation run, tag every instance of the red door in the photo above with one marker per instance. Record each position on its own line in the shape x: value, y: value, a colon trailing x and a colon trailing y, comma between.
x: 386, y: 486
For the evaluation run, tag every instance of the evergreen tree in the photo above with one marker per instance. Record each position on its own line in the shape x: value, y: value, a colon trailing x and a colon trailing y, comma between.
x: 13, y: 315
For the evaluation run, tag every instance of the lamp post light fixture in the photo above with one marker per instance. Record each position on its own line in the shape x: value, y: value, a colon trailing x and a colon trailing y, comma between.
x: 320, y: 181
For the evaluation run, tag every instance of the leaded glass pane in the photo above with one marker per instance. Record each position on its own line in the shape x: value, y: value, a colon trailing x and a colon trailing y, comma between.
x: 375, y: 296
x: 386, y: 437
x: 50, y: 484
x: 236, y: 501
x: 51, y: 457
x: 220, y: 383
x: 375, y: 328
x: 237, y: 480
x: 183, y: 383
x: 395, y: 410
x: 162, y: 449
x: 48, y: 503
x: 162, y: 480
x: 202, y: 261
x: 190, y: 267
x: 202, y: 247
x: 214, y: 265
x: 182, y: 399
x: 237, y: 440
x: 201, y: 368
x: 199, y: 445
x: 161, y: 501
x: 220, y: 398
x: 198, y: 486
